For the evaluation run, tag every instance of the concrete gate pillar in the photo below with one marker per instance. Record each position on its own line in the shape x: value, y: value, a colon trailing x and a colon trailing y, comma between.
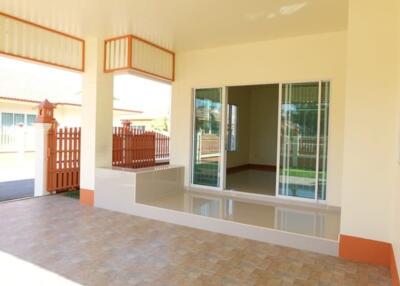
x: 44, y: 122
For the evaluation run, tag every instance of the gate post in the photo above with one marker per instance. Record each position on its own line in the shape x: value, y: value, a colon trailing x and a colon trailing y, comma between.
x: 44, y: 121
x: 126, y: 123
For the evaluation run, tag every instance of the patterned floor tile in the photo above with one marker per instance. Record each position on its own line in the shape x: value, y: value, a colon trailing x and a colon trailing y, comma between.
x: 98, y: 247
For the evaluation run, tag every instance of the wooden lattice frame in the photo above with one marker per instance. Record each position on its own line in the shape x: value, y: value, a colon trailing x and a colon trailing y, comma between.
x: 129, y: 66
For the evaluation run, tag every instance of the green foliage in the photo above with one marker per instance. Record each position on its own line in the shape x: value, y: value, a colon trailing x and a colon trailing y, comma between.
x: 160, y: 124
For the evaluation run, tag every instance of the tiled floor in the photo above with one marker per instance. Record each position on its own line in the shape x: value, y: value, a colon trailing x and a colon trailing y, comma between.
x: 98, y: 247
x: 252, y: 181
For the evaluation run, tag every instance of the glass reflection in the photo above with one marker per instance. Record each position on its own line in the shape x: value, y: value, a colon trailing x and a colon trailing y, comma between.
x: 206, y: 137
x: 304, y: 139
x: 307, y: 221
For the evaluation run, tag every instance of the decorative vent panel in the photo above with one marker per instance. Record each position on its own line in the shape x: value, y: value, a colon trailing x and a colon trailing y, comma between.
x: 133, y: 53
x: 30, y: 41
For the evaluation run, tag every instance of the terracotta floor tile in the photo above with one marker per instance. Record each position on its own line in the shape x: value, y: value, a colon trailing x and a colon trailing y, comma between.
x: 98, y: 247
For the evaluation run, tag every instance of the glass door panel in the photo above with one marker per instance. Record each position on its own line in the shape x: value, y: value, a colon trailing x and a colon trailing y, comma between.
x: 207, y: 153
x: 323, y: 140
x: 298, y: 140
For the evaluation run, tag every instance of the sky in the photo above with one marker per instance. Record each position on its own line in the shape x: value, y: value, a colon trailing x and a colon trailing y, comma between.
x: 20, y: 79
x: 25, y: 80
x: 138, y: 93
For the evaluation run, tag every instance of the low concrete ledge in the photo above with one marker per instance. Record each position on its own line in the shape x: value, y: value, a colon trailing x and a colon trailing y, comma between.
x: 131, y: 191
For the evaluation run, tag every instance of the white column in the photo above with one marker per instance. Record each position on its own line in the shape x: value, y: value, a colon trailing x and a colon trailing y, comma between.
x: 41, y: 130
x: 97, y: 111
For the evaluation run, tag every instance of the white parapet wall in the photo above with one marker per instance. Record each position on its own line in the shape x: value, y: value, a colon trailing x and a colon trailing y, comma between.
x: 144, y: 192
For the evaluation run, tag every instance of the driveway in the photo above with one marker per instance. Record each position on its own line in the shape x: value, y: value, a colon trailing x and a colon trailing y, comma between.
x: 16, y: 189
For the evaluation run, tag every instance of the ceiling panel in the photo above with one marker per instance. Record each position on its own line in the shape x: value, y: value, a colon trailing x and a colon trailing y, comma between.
x: 184, y: 25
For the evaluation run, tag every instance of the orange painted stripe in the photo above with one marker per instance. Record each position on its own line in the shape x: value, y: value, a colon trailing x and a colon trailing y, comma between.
x: 86, y: 197
x: 365, y: 250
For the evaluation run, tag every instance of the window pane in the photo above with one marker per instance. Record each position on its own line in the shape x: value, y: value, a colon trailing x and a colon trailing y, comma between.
x: 139, y: 127
x: 7, y: 119
x: 19, y: 118
x: 30, y: 119
x: 299, y: 130
x: 207, y: 139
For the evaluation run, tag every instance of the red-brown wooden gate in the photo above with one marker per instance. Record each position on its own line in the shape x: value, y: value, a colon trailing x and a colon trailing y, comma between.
x: 63, y: 159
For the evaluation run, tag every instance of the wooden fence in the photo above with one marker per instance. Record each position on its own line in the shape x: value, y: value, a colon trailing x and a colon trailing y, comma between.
x: 210, y: 144
x: 134, y: 148
x: 162, y: 146
x: 63, y: 162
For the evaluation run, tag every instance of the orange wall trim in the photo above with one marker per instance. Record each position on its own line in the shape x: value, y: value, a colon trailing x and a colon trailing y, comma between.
x: 393, y: 269
x: 87, y: 197
x: 365, y: 250
x: 369, y: 251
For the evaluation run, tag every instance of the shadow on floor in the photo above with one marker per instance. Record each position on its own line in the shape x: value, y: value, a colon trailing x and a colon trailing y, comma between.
x: 16, y: 189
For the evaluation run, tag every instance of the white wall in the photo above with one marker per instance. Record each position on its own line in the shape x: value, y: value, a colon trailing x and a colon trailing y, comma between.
x: 304, y: 58
x: 18, y: 107
x: 68, y: 116
x: 396, y: 191
x: 371, y: 133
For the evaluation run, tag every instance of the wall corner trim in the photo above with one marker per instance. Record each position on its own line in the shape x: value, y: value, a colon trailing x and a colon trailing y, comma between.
x: 393, y: 269
x: 86, y: 197
x: 369, y: 251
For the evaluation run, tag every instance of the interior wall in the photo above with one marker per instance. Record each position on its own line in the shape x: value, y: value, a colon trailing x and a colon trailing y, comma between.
x: 240, y: 96
x: 257, y: 124
x: 264, y: 108
x: 320, y: 56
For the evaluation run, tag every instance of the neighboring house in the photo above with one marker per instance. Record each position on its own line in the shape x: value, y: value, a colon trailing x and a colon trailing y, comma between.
x: 143, y: 123
x: 22, y: 112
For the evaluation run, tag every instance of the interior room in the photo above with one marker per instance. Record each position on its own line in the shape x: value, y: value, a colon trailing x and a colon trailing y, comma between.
x: 252, y: 130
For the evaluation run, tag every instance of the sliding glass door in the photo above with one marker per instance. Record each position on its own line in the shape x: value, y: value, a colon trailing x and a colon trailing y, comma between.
x: 304, y: 111
x: 207, y: 130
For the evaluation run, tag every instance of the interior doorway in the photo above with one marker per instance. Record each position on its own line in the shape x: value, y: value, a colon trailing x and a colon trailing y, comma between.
x: 251, y: 138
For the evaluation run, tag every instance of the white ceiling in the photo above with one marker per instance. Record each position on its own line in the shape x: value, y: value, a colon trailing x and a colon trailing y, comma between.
x: 184, y: 25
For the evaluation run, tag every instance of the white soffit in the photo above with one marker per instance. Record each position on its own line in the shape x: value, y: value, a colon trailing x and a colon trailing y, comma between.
x: 186, y: 25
